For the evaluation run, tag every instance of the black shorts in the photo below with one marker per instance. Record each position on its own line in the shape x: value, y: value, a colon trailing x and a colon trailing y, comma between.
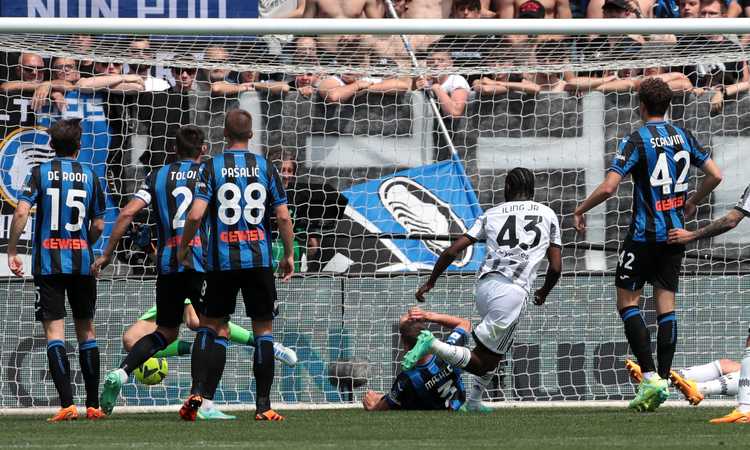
x: 219, y: 297
x: 50, y: 296
x: 171, y: 291
x: 656, y: 263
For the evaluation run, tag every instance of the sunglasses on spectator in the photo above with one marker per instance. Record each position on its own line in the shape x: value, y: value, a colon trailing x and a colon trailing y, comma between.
x: 107, y: 64
x: 188, y: 70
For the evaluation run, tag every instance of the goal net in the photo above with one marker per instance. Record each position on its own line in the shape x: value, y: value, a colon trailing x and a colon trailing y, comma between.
x: 378, y: 184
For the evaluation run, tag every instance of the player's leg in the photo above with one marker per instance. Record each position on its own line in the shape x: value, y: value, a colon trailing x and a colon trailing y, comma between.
x: 742, y: 413
x: 82, y: 298
x: 217, y: 302
x: 259, y: 295
x: 169, y: 304
x: 241, y: 336
x: 49, y: 309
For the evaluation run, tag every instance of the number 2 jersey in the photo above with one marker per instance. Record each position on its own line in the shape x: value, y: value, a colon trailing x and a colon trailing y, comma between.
x: 429, y: 386
x: 518, y: 235
x: 658, y: 156
x: 169, y: 191
x: 242, y: 190
x: 67, y: 196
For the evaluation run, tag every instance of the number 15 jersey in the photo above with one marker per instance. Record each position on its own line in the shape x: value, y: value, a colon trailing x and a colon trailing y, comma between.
x: 518, y: 235
x: 242, y: 190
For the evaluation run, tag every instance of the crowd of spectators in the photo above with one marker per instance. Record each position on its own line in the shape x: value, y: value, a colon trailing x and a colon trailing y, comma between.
x: 144, y: 107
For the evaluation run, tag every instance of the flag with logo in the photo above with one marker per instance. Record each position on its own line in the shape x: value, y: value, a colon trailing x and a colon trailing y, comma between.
x: 434, y: 199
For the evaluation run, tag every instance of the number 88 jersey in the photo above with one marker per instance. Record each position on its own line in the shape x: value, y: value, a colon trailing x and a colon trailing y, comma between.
x: 518, y: 235
x: 242, y: 189
x: 658, y: 156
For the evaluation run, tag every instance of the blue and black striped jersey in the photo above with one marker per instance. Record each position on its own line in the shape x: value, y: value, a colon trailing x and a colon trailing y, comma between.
x: 67, y: 196
x: 658, y: 156
x: 430, y: 386
x: 169, y: 190
x: 242, y: 189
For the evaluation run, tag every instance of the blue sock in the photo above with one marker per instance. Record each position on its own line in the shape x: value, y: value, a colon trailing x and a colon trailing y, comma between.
x: 666, y: 342
x: 59, y: 367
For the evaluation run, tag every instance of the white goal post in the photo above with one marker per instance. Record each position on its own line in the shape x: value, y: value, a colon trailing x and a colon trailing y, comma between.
x: 545, y: 94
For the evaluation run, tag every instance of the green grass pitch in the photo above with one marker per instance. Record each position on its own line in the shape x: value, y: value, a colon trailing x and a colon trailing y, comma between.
x: 512, y: 428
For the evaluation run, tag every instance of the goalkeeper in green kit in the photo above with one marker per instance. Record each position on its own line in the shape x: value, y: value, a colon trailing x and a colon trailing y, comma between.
x: 146, y: 324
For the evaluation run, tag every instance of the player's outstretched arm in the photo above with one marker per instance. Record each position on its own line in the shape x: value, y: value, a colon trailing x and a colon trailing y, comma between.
x: 444, y: 320
x: 286, y: 231
x: 375, y: 401
x: 20, y: 217
x: 124, y: 219
x: 192, y: 222
x: 710, y: 181
x: 715, y: 228
x: 607, y: 189
x: 444, y: 261
x: 554, y: 269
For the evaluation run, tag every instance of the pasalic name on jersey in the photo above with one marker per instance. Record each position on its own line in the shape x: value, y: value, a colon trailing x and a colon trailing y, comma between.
x: 237, y: 172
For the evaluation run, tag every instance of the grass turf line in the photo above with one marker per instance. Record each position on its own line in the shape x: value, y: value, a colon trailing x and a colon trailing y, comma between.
x: 518, y: 428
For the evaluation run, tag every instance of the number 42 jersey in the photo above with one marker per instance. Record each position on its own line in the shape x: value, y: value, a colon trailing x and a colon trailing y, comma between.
x: 518, y: 235
x: 242, y: 190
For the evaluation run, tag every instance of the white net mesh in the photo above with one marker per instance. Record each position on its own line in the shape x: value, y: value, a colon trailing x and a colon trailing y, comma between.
x: 346, y: 113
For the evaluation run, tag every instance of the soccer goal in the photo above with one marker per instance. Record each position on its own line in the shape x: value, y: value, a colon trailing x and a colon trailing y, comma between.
x: 392, y: 136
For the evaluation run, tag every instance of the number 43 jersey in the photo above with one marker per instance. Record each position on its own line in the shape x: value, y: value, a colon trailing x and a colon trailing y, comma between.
x: 169, y: 191
x: 242, y: 190
x: 518, y: 235
x: 658, y: 156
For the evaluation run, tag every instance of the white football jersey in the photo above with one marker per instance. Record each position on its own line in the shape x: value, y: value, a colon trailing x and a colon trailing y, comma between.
x: 744, y: 204
x: 518, y: 235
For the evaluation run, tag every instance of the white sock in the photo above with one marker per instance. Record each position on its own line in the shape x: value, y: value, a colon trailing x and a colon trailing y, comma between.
x: 207, y: 404
x: 704, y: 372
x: 725, y: 385
x: 649, y: 375
x: 123, y: 375
x: 478, y: 386
x: 743, y: 390
x: 455, y: 355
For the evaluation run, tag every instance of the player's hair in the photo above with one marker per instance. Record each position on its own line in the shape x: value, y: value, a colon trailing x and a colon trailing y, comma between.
x: 188, y: 141
x: 724, y: 7
x: 409, y: 330
x: 655, y: 96
x: 238, y: 126
x: 519, y: 184
x: 65, y: 136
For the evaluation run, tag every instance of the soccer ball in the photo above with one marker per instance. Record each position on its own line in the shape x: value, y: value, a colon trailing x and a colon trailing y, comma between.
x: 152, y: 371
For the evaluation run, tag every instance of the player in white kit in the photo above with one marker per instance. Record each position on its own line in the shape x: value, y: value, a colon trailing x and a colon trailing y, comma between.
x: 519, y: 233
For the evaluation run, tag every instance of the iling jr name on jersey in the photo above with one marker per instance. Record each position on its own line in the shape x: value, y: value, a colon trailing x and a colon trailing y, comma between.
x: 67, y: 196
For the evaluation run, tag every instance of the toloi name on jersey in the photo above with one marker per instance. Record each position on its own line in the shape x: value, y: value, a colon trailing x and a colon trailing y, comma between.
x: 660, y: 141
x: 238, y: 172
x: 54, y: 175
x: 189, y: 175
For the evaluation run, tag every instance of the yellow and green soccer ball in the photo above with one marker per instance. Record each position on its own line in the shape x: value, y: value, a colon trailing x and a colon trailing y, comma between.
x: 152, y: 371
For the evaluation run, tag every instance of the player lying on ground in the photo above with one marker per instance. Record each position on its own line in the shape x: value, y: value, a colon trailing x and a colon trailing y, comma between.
x: 730, y: 220
x: 70, y: 207
x: 653, y: 155
x: 146, y: 325
x: 720, y: 377
x: 519, y: 233
x: 237, y: 193
x: 432, y: 384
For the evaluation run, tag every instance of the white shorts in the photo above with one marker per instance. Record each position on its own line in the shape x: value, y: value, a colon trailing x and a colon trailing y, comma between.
x: 500, y: 303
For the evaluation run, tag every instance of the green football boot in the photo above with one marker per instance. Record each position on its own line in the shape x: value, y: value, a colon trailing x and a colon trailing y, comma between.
x: 651, y: 393
x: 421, y: 348
x: 213, y: 414
x: 110, y: 391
